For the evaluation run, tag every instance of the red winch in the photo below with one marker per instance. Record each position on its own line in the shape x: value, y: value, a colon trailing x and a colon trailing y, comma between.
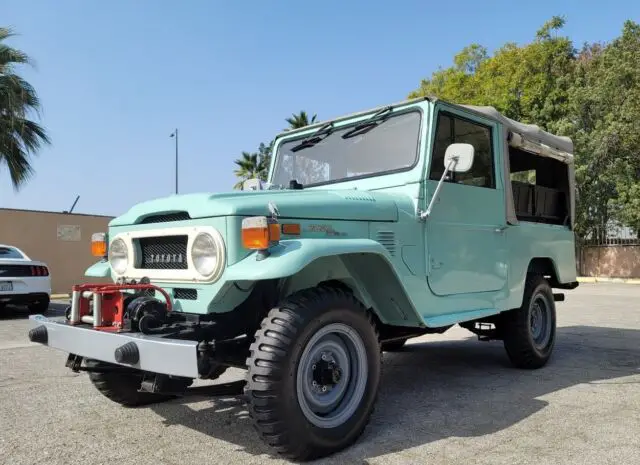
x: 105, y: 306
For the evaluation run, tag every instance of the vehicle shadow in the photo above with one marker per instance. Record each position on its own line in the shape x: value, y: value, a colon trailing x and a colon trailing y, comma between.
x: 436, y: 390
x: 19, y: 312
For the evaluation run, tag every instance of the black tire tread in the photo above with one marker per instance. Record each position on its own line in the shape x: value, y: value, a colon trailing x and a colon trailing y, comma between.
x: 122, y: 387
x: 277, y: 330
x: 515, y: 327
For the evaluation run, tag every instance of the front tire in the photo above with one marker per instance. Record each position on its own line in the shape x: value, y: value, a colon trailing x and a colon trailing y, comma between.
x: 530, y: 331
x: 314, y: 373
x: 122, y: 386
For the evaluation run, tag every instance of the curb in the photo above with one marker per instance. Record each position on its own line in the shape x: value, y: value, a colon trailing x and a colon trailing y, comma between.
x: 597, y: 279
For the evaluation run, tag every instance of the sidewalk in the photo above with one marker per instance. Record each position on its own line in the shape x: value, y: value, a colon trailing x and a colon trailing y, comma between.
x: 603, y: 279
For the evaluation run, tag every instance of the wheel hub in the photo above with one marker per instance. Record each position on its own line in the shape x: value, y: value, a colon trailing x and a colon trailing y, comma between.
x: 332, y: 375
x: 326, y: 372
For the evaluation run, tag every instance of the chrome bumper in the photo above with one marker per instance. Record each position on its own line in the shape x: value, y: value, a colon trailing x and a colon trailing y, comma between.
x: 154, y: 354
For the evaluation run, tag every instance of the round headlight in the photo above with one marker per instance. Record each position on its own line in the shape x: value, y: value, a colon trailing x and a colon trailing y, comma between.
x: 118, y: 256
x: 204, y: 254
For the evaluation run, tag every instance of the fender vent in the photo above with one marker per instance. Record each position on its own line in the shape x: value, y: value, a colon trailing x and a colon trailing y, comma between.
x: 388, y: 241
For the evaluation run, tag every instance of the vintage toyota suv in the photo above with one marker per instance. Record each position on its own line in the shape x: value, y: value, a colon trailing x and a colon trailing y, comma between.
x: 371, y: 229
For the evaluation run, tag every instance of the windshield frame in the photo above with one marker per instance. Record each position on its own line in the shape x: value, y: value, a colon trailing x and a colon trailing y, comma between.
x: 344, y: 126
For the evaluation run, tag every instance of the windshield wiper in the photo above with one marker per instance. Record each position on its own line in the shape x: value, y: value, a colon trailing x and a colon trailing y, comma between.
x: 368, y: 124
x: 314, y: 138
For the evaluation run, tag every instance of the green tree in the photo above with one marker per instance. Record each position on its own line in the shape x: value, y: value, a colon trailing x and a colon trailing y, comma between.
x: 591, y: 95
x: 300, y: 120
x: 20, y: 136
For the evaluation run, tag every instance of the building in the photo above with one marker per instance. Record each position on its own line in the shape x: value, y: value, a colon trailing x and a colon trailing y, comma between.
x: 62, y: 240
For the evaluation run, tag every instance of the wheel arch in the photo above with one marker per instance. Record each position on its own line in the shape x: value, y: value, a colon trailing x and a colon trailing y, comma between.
x: 369, y: 276
x: 363, y: 265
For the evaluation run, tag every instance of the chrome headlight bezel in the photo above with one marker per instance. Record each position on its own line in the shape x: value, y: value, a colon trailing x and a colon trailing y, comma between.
x: 118, y: 254
x: 210, y: 266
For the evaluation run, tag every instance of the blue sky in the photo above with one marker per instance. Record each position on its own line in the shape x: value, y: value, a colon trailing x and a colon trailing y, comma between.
x: 115, y: 78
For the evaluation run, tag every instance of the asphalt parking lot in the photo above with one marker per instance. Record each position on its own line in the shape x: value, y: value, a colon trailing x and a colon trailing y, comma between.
x: 445, y: 399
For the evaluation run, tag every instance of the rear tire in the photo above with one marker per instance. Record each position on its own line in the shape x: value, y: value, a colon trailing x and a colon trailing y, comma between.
x: 530, y: 331
x: 122, y: 387
x: 314, y: 373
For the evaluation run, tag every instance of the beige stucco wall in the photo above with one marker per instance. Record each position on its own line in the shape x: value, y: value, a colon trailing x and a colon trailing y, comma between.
x: 61, y: 240
x: 615, y: 261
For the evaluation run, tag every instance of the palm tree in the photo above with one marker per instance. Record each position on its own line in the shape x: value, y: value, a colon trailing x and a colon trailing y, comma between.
x: 253, y: 165
x: 300, y: 120
x: 19, y: 135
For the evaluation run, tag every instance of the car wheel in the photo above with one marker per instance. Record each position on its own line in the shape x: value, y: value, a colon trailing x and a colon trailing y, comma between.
x: 314, y: 373
x: 122, y: 386
x: 530, y: 331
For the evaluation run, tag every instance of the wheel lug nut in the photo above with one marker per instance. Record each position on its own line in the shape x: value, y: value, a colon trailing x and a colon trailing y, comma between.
x: 324, y: 388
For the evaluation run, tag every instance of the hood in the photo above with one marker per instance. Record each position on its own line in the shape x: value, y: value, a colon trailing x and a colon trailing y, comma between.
x: 303, y: 204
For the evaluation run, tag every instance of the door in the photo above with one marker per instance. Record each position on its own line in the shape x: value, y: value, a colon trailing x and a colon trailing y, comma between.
x: 465, y: 242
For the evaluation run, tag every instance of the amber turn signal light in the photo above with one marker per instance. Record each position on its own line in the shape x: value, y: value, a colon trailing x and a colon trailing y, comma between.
x: 99, y: 245
x: 259, y: 233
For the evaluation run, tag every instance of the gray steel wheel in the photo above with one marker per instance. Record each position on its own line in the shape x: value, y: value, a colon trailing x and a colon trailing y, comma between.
x: 540, y: 321
x: 332, y: 375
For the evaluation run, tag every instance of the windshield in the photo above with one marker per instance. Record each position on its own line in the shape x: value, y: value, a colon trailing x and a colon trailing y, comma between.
x: 391, y: 145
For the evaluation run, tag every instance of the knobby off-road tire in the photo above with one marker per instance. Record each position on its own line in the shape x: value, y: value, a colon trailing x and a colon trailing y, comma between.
x: 530, y: 331
x: 122, y: 387
x: 286, y: 359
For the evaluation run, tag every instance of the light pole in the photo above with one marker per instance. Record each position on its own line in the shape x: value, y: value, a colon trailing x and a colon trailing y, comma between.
x: 175, y: 134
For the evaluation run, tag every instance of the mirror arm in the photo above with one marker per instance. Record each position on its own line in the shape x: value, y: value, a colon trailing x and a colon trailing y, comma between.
x: 425, y: 214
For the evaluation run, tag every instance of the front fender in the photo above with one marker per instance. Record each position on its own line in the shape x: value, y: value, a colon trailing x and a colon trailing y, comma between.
x: 291, y: 256
x: 100, y: 269
x: 363, y: 264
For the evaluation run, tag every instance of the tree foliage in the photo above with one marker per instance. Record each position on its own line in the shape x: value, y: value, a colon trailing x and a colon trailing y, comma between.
x: 591, y: 95
x: 20, y: 136
x: 300, y: 120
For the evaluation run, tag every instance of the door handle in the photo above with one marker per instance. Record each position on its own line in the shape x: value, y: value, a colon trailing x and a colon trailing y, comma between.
x: 500, y: 229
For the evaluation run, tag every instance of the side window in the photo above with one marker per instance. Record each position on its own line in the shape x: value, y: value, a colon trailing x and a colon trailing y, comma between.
x: 450, y: 129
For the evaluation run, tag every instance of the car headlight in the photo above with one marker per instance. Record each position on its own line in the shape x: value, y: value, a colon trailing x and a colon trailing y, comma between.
x: 206, y: 254
x: 118, y: 256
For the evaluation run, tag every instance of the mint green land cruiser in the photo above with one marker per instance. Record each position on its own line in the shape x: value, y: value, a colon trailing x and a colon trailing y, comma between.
x: 372, y: 229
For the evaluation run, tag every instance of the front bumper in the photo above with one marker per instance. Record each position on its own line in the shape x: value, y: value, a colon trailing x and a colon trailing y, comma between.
x: 155, y: 354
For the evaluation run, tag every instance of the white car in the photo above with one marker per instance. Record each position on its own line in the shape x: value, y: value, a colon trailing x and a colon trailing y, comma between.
x: 23, y: 281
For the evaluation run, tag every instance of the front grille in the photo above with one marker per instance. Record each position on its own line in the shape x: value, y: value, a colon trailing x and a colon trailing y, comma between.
x: 163, y: 253
x: 185, y: 294
x: 166, y: 218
